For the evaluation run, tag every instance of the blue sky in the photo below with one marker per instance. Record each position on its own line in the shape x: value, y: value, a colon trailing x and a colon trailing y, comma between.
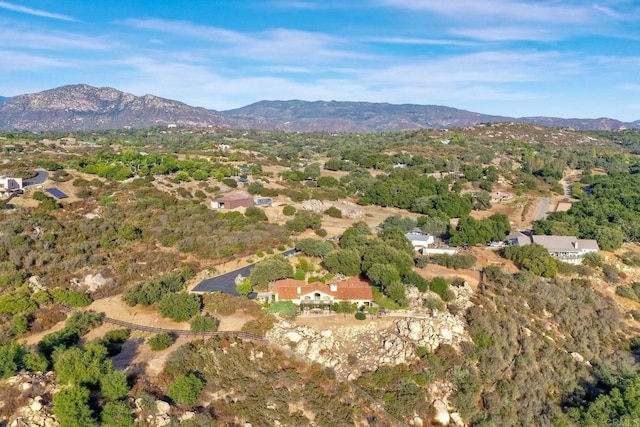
x: 565, y: 58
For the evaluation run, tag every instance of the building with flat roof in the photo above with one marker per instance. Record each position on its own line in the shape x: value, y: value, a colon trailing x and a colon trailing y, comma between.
x: 232, y: 201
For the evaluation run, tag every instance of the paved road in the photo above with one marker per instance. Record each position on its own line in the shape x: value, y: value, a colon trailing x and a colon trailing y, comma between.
x: 39, y: 179
x: 225, y: 283
x: 542, y: 209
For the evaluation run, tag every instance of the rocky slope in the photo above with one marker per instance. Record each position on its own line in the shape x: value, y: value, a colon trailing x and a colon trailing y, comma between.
x: 83, y: 107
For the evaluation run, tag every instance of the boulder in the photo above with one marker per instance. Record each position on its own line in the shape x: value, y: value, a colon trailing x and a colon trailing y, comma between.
x: 293, y: 336
x: 162, y: 407
x: 441, y: 416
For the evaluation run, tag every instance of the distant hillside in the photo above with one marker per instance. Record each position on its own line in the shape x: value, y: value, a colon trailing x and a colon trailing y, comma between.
x: 302, y: 116
x: 83, y: 107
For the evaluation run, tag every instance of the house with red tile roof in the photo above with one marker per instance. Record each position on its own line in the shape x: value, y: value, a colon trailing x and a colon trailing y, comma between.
x: 323, y: 294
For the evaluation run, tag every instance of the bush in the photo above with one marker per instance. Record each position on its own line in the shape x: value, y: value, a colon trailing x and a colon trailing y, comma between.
x: 180, y: 307
x: 34, y: 361
x: 321, y: 232
x: 113, y: 385
x: 360, y: 315
x: 160, y: 341
x: 204, y: 323
x: 286, y: 309
x: 117, y: 414
x: 610, y: 273
x: 289, y: 210
x: 626, y: 292
x: 186, y: 389
x: 70, y: 297
x: 114, y: 340
x: 333, y: 212
x: 433, y: 304
x: 71, y: 407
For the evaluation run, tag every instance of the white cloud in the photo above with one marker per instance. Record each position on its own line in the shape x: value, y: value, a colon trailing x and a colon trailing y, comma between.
x: 419, y: 41
x: 272, y: 45
x: 35, y: 12
x: 20, y: 61
x: 494, y: 33
x: 512, y: 10
x: 25, y: 37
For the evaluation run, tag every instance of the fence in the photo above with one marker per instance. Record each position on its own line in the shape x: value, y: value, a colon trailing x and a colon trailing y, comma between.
x: 176, y: 332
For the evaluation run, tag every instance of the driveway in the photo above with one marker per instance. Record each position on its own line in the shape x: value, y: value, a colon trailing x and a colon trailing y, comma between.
x: 542, y: 209
x: 225, y: 283
x: 39, y: 179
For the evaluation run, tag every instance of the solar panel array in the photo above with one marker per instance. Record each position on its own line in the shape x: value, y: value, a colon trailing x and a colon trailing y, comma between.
x: 56, y: 193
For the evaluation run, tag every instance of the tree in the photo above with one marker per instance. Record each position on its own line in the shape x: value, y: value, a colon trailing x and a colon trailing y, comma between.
x: 180, y: 307
x: 35, y: 361
x: 82, y: 366
x: 186, y: 389
x: 113, y: 385
x: 314, y: 247
x: 71, y: 407
x: 244, y: 287
x: 383, y: 275
x: 117, y: 414
x: 346, y: 262
x: 9, y: 357
x: 272, y: 268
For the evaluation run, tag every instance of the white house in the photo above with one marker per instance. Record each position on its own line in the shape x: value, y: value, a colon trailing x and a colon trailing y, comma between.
x: 419, y: 240
x: 9, y: 185
x: 567, y: 249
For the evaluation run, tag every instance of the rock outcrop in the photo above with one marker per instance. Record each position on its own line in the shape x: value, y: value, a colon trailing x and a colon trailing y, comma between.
x: 353, y: 350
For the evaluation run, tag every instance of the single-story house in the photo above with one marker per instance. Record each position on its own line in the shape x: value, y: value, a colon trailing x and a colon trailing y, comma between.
x: 517, y: 238
x: 419, y: 240
x: 232, y: 201
x: 319, y: 295
x: 568, y: 249
x: 9, y: 185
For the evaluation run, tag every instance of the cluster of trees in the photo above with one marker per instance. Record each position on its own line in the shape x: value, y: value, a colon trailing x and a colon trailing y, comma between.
x: 470, y: 231
x: 534, y: 258
x: 610, y: 213
x: 130, y: 162
x: 407, y: 189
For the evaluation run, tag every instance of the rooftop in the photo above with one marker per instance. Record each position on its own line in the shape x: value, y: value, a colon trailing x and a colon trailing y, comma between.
x: 350, y: 289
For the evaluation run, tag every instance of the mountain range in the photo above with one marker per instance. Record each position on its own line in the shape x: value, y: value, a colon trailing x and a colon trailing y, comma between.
x: 84, y: 107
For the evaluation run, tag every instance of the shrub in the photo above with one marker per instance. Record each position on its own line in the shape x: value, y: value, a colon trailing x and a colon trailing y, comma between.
x: 592, y: 259
x: 71, y: 407
x: 433, y: 304
x: 360, y: 315
x: 286, y: 309
x: 289, y: 210
x: 333, y: 212
x: 186, y: 389
x: 117, y: 414
x: 113, y: 385
x: 35, y: 361
x: 611, y: 274
x: 204, y: 323
x: 114, y: 340
x: 70, y: 297
x: 160, y: 341
x: 180, y: 307
x: 321, y: 232
x: 626, y: 292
